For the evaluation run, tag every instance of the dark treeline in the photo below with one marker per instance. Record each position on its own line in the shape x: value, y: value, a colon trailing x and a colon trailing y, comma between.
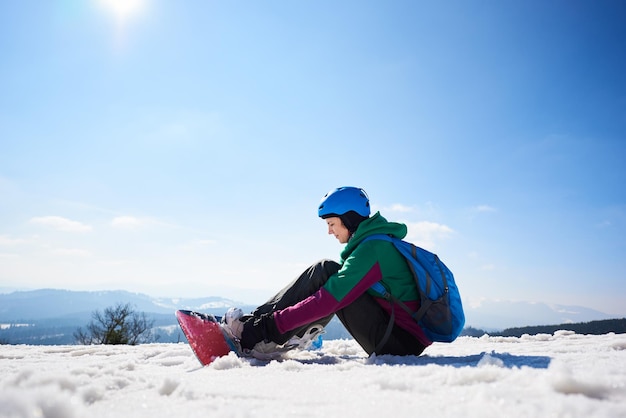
x: 605, y: 326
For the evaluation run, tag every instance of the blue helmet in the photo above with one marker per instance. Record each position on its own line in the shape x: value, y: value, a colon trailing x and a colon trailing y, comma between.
x: 343, y: 200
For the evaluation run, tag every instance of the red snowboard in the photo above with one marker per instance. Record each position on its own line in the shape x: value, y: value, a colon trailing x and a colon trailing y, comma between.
x: 205, y: 335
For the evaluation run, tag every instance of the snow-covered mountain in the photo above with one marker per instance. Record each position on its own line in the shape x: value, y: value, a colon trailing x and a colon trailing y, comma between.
x: 52, y: 303
x: 498, y: 315
x: 50, y: 316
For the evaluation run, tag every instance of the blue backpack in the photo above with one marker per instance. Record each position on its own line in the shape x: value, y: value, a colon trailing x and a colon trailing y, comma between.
x: 441, y: 313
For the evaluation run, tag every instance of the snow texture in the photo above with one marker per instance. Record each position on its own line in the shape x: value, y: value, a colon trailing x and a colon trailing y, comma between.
x: 560, y: 375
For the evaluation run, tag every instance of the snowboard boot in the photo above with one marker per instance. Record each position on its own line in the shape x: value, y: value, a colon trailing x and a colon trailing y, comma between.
x: 309, y: 339
x: 232, y: 323
x: 232, y: 326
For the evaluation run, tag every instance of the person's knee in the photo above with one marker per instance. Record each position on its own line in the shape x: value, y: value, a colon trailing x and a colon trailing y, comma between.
x: 329, y: 266
x: 321, y: 271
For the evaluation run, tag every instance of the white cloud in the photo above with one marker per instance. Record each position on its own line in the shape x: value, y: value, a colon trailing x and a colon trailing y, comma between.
x: 426, y: 234
x: 424, y: 211
x: 398, y: 207
x: 8, y: 255
x: 472, y: 254
x: 206, y: 242
x: 129, y: 222
x: 485, y: 208
x: 6, y: 240
x: 199, y: 244
x: 61, y: 224
x: 427, y: 227
x: 71, y: 252
x: 135, y: 222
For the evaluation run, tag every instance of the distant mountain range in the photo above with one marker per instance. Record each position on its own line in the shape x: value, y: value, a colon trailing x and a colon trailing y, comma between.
x: 498, y: 315
x: 52, y: 303
x: 55, y: 309
x: 51, y: 316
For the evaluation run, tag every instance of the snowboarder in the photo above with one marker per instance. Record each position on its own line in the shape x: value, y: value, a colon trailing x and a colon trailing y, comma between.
x: 297, y: 313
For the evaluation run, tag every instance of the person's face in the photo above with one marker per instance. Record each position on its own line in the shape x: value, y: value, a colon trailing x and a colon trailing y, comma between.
x: 336, y: 228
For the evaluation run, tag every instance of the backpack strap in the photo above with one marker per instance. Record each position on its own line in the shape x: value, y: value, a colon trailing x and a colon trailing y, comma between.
x: 392, y: 320
x: 393, y: 301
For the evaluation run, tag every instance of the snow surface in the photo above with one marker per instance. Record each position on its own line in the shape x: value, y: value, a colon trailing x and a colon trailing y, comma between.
x: 560, y: 375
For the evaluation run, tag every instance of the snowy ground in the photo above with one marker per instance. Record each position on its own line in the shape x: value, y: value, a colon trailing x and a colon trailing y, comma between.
x: 561, y: 375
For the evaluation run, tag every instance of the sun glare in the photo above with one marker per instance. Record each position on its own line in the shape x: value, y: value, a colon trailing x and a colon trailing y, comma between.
x: 123, y: 9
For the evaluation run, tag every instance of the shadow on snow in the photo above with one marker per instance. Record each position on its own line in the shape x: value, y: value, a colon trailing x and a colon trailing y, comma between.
x: 497, y: 359
x: 505, y: 360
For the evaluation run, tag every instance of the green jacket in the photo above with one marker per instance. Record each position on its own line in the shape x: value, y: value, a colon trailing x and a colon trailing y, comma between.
x: 358, y: 260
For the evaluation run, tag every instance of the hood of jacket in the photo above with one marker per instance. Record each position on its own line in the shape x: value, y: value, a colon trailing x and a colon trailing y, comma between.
x: 375, y: 224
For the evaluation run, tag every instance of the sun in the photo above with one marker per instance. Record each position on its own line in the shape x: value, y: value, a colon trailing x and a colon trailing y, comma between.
x: 123, y: 9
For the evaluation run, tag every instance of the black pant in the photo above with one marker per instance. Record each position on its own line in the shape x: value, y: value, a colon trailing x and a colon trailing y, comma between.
x: 367, y: 322
x: 364, y: 319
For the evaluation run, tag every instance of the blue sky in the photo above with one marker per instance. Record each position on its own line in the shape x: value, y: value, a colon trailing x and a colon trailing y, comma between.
x: 181, y: 148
